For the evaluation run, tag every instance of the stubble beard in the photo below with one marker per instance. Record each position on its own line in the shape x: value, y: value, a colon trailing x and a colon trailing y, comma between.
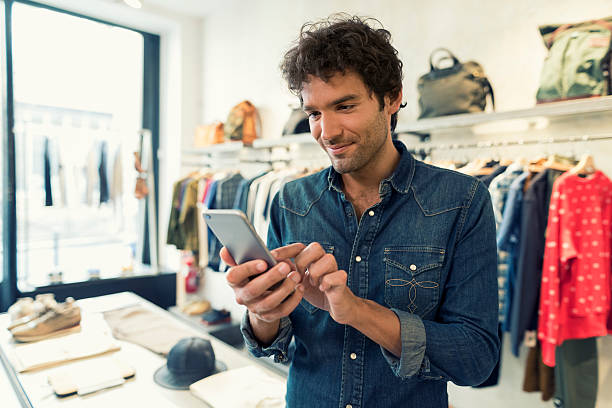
x: 375, y: 138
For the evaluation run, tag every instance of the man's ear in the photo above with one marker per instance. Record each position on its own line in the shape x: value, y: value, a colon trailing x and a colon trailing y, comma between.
x: 393, y: 105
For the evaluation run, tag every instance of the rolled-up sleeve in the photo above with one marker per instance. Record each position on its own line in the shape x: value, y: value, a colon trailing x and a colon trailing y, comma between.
x: 412, y: 332
x: 280, y: 346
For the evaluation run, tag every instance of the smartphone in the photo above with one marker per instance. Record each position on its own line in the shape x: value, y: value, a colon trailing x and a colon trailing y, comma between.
x: 237, y: 234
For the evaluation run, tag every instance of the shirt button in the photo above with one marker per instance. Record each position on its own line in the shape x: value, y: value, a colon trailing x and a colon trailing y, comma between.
x: 413, y: 267
x: 358, y: 258
x: 349, y: 406
x: 371, y: 213
x: 353, y: 356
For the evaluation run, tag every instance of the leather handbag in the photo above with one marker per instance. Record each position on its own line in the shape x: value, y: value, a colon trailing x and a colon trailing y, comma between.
x: 460, y: 88
x: 206, y: 135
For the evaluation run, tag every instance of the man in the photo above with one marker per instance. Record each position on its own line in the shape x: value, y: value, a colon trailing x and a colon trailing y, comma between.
x: 392, y: 289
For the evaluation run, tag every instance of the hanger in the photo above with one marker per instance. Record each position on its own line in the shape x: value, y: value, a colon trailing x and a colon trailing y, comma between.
x: 537, y: 165
x: 560, y: 163
x: 585, y: 166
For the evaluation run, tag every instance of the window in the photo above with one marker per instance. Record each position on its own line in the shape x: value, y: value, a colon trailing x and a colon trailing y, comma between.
x: 3, y: 151
x: 78, y: 97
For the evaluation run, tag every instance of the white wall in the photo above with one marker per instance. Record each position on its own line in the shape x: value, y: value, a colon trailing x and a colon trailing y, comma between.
x: 244, y: 42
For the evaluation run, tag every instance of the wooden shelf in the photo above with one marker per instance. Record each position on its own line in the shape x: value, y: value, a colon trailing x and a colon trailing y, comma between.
x: 548, y: 110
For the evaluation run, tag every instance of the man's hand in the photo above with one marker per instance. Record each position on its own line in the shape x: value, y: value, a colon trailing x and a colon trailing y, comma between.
x: 251, y: 282
x: 325, y: 285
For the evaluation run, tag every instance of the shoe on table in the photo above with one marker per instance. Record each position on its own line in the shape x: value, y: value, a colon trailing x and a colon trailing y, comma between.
x: 27, y: 309
x: 59, y: 319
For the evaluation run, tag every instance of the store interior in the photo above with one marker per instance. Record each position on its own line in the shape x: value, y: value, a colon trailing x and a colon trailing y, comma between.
x: 117, y: 121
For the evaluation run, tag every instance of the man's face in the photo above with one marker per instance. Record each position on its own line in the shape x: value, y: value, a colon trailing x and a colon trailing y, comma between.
x: 346, y: 120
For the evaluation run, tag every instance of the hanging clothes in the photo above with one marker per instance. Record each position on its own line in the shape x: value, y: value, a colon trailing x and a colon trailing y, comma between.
x: 224, y: 196
x: 536, y: 202
x: 488, y: 178
x: 498, y: 189
x: 575, y: 291
x: 508, y: 237
x: 174, y: 235
x: 538, y: 376
x: 91, y: 173
x: 576, y: 374
x: 116, y: 186
x: 102, y: 174
x: 187, y: 215
x: 47, y: 174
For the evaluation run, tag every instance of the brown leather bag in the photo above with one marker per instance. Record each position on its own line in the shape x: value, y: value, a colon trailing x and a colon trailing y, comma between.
x: 206, y: 135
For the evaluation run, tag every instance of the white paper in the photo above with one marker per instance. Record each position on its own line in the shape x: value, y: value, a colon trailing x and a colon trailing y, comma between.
x: 247, y: 387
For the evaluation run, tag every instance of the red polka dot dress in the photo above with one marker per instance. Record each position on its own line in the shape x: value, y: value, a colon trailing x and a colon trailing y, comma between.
x: 575, y: 290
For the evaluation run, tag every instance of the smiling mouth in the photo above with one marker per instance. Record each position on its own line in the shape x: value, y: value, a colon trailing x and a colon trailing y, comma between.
x: 338, y: 149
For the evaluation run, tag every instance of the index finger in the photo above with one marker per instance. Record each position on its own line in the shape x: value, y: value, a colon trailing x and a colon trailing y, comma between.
x: 288, y: 251
x: 227, y: 257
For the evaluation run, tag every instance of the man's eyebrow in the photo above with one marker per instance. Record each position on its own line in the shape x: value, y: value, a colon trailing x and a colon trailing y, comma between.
x: 338, y: 101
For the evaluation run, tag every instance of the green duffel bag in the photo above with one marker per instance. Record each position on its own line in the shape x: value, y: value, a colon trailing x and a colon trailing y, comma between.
x: 460, y: 88
x: 578, y: 61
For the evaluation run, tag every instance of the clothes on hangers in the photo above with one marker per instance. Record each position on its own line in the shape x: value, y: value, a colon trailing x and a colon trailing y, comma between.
x: 224, y: 195
x: 102, y: 174
x: 536, y: 203
x: 508, y: 240
x: 575, y: 291
x: 497, y: 170
x: 498, y: 189
x: 47, y: 173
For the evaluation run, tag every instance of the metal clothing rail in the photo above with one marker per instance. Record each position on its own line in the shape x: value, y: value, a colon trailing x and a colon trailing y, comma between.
x: 503, y: 143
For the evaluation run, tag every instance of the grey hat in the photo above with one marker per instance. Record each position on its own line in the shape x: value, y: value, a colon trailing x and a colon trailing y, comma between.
x: 189, y: 360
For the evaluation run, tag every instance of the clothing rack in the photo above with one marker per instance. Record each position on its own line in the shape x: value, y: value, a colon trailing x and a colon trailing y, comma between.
x: 427, y: 148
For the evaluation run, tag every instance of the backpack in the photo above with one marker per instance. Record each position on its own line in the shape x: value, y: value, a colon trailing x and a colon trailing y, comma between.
x: 578, y: 61
x: 242, y: 123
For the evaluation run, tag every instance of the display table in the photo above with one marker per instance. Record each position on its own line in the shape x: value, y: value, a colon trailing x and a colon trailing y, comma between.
x: 35, y: 391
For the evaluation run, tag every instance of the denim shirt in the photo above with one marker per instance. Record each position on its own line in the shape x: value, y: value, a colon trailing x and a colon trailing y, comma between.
x: 427, y: 252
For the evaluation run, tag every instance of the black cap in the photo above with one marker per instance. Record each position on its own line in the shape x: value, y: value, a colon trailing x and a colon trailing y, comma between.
x: 189, y: 360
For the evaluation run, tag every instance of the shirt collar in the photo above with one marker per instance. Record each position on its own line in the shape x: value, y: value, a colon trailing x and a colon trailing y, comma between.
x: 400, y: 179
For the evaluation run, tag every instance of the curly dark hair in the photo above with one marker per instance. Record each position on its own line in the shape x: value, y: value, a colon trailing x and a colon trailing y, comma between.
x: 341, y: 43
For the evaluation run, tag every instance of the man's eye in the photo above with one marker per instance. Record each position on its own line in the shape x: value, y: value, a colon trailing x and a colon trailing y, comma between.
x: 312, y: 115
x: 345, y: 107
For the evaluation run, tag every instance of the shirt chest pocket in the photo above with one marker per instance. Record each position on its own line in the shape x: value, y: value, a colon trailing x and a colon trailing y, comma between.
x: 412, y: 278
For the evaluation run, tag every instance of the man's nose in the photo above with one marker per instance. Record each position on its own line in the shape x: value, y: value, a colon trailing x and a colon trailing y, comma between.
x: 330, y: 127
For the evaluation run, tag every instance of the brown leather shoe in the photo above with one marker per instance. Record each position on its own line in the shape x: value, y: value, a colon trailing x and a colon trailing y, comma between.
x: 60, y: 319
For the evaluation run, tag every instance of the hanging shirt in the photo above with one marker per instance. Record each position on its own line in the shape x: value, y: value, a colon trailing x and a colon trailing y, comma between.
x: 508, y: 236
x: 499, y: 188
x: 536, y: 202
x: 47, y: 174
x: 575, y: 293
x: 102, y: 173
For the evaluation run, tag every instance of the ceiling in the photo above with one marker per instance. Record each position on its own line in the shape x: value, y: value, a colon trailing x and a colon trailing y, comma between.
x: 188, y: 7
